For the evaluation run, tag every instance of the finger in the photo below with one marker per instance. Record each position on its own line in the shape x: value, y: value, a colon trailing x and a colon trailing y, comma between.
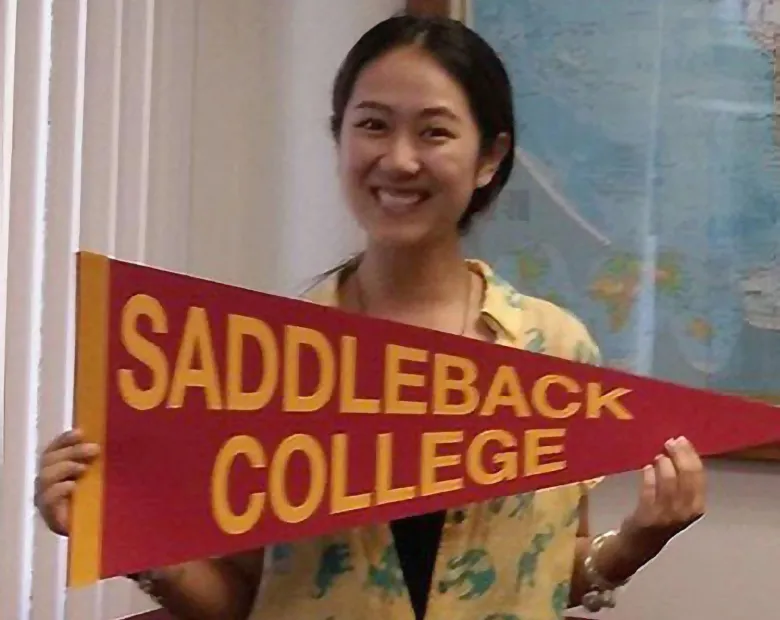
x: 647, y: 493
x: 680, y: 505
x: 81, y: 452
x: 68, y: 438
x: 59, y: 472
x: 54, y: 494
x: 666, y: 485
x: 692, y: 476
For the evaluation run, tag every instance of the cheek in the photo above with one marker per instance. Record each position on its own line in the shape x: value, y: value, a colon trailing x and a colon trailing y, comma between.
x: 354, y: 165
x: 355, y: 160
x: 455, y: 170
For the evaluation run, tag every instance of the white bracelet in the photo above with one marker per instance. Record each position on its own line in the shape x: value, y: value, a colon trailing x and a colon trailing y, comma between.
x: 602, y: 592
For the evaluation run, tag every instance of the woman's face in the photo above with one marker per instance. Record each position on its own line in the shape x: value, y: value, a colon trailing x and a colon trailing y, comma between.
x: 409, y: 150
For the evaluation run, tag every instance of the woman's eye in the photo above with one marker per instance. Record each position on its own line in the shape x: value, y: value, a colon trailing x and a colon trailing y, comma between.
x: 438, y: 133
x: 371, y: 124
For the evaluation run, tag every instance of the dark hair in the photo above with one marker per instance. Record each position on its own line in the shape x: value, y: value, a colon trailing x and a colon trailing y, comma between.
x: 469, y: 59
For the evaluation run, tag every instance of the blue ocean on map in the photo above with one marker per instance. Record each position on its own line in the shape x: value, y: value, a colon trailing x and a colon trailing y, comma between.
x: 646, y: 195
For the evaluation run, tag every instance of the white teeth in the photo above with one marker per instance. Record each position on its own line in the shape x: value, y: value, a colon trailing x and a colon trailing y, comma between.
x: 398, y: 201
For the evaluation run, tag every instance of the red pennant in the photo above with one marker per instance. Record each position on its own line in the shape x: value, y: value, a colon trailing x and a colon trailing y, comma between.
x: 231, y: 419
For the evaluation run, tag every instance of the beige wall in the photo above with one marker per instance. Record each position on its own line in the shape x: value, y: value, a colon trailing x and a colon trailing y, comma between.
x: 726, y: 567
x: 260, y: 142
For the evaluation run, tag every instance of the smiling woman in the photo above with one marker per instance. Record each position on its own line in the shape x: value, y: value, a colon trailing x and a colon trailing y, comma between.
x: 424, y: 128
x: 423, y: 121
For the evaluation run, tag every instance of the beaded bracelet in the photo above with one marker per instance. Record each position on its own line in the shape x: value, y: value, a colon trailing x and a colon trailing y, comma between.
x: 602, y: 593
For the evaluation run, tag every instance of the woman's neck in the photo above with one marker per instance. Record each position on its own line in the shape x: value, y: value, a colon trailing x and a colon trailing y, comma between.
x: 412, y: 277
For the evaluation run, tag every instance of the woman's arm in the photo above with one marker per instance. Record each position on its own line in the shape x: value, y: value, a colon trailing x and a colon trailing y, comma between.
x: 618, y: 559
x: 217, y: 589
x: 671, y: 498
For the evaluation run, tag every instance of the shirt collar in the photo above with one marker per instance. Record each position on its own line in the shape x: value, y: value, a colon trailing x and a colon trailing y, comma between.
x: 501, y: 303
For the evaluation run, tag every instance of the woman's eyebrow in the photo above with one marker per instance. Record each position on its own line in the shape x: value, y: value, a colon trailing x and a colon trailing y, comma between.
x: 426, y: 112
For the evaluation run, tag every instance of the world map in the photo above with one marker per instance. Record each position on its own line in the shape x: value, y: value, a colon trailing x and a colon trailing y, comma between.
x: 646, y: 191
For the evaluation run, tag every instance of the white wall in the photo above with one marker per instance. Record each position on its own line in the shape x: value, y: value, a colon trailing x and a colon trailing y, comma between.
x: 188, y: 134
x: 262, y: 95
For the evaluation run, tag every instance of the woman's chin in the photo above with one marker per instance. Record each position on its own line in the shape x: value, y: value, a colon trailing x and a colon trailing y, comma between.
x: 400, y: 236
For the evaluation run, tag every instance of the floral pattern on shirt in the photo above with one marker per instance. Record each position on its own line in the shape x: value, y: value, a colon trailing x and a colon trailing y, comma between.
x: 509, y: 558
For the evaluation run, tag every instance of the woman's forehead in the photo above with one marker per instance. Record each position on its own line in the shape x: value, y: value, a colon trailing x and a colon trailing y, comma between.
x: 409, y: 80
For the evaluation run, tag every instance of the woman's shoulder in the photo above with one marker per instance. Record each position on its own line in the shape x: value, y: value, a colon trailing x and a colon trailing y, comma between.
x: 568, y: 332
x: 534, y: 323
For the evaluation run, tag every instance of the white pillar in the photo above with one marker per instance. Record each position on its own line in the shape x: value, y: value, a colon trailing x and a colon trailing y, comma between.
x: 26, y: 42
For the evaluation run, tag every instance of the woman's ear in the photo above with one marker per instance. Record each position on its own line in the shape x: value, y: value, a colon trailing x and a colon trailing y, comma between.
x: 491, y: 160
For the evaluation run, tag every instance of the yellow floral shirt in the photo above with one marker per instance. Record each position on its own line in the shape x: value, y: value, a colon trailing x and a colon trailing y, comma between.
x: 510, y: 558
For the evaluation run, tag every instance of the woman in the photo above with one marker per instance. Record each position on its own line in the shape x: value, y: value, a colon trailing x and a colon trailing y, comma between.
x: 423, y: 123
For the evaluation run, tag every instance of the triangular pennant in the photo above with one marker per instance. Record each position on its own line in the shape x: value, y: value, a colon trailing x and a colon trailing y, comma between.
x: 232, y: 419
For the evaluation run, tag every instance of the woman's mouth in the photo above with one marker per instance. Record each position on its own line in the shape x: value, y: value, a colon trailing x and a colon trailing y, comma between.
x: 400, y: 202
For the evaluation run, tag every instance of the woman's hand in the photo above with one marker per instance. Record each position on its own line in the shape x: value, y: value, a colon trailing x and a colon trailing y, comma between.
x: 62, y: 463
x: 672, y: 496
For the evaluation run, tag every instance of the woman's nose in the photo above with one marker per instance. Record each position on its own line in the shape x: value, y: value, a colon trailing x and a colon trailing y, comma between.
x: 401, y: 156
